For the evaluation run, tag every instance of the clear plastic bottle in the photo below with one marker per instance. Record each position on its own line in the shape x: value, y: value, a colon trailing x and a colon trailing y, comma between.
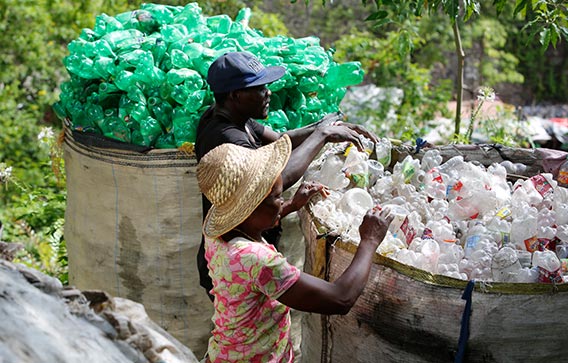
x: 524, y: 228
x: 549, y: 266
x: 356, y: 167
x: 331, y: 175
x: 505, y: 265
x: 356, y: 202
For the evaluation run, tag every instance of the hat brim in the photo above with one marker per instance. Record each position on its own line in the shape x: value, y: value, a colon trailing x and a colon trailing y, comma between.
x: 262, y: 171
x: 270, y: 74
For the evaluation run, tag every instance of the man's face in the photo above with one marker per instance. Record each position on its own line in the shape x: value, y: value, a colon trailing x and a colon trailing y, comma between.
x: 255, y: 101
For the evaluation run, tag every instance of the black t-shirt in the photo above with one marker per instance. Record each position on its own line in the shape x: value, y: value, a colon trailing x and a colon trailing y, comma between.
x: 214, y: 129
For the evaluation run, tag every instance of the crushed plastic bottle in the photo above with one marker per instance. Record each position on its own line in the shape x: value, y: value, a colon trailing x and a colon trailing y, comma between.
x: 505, y: 265
x: 548, y: 265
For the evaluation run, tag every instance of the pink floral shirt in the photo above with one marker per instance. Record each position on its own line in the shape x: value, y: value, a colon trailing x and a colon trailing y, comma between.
x: 250, y: 324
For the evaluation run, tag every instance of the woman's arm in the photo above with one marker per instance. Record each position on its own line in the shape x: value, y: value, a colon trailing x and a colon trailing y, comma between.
x: 312, y: 294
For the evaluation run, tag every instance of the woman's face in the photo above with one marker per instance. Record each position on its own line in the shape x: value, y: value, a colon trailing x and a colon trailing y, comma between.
x: 267, y: 214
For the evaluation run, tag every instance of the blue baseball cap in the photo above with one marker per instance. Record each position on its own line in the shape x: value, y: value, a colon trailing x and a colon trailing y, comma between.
x: 237, y: 70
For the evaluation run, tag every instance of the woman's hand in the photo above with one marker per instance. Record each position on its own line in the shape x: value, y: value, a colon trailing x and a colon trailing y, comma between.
x: 374, y: 226
x: 307, y: 190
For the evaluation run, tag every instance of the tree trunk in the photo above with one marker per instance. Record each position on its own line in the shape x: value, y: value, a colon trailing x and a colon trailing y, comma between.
x: 461, y: 56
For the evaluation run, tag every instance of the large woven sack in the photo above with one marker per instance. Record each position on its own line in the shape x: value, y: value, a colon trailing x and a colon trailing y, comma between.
x: 407, y: 315
x: 133, y: 228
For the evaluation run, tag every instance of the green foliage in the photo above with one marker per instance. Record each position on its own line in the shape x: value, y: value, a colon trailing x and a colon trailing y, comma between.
x: 386, y: 67
x: 34, y: 41
x: 270, y: 24
x: 33, y: 214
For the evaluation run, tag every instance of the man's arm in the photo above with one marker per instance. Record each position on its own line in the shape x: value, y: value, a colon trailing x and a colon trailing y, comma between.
x: 297, y: 136
x: 303, y: 154
x: 308, y: 141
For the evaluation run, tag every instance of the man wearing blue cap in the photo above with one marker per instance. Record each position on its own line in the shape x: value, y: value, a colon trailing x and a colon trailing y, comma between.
x: 238, y: 81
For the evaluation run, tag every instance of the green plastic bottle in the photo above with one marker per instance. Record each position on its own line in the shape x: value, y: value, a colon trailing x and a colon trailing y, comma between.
x: 219, y: 24
x: 159, y: 50
x: 124, y: 80
x: 194, y: 100
x: 179, y: 59
x: 165, y: 141
x: 190, y: 16
x: 105, y: 24
x: 345, y: 74
x: 117, y: 129
x: 150, y: 129
x: 104, y: 67
x: 309, y: 84
x: 161, y: 111
x: 174, y: 32
x: 152, y: 77
x: 81, y: 66
x: 184, y: 125
x: 278, y: 121
x: 123, y: 41
x: 161, y: 13
x: 243, y: 16
x: 139, y: 112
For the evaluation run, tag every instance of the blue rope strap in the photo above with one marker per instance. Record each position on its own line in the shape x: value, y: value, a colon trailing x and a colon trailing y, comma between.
x: 464, y: 331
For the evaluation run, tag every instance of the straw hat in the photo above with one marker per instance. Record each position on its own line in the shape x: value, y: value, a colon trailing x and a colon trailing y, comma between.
x: 236, y: 180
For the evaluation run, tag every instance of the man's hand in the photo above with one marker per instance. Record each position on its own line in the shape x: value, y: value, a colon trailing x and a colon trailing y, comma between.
x: 337, y: 130
x: 360, y: 130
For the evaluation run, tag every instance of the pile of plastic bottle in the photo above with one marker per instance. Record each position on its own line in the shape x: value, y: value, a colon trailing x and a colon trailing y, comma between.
x: 455, y: 218
x: 139, y: 77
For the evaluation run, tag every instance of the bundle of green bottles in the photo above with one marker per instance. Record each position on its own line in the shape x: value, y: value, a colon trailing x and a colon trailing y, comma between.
x: 139, y: 77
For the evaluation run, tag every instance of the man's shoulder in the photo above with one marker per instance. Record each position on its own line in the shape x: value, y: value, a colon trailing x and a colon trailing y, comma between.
x: 215, y: 131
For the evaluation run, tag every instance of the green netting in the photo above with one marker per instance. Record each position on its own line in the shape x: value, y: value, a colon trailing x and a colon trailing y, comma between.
x: 139, y: 77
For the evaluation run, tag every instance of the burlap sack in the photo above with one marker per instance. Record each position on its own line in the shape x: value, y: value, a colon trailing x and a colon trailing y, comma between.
x: 407, y: 315
x: 133, y: 227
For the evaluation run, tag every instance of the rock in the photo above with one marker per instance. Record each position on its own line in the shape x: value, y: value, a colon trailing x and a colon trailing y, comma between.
x: 42, y: 321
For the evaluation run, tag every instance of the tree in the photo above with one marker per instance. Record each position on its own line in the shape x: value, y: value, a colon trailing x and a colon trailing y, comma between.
x: 547, y: 18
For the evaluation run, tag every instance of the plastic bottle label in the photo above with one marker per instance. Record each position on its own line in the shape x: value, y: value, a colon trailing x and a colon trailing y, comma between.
x: 504, y: 213
x: 541, y: 185
x: 531, y: 244
x: 472, y: 241
x: 408, y: 231
x: 550, y: 277
x: 562, y: 177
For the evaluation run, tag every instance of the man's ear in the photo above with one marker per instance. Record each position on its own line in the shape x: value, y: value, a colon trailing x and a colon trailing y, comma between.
x: 234, y: 95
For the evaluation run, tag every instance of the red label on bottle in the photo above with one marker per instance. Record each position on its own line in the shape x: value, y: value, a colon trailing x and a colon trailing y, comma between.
x: 541, y: 185
x: 531, y: 244
x: 408, y: 231
x: 549, y: 277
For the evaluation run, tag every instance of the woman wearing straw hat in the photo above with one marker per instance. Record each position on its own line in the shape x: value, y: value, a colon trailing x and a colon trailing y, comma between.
x: 239, y: 83
x: 254, y: 286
